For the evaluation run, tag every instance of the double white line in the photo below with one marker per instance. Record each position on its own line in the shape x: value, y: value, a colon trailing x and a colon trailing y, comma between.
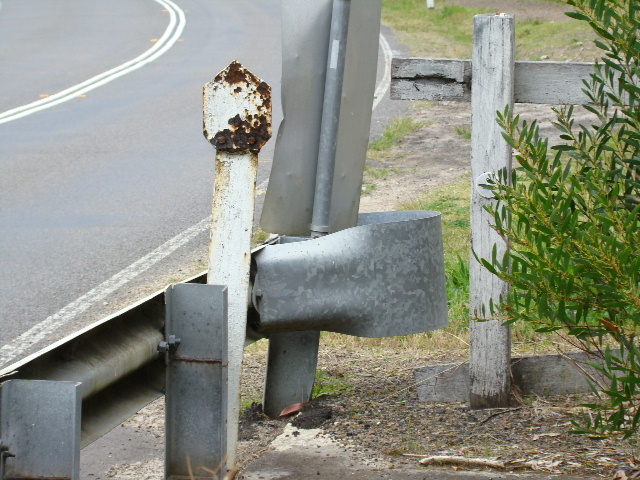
x: 170, y: 36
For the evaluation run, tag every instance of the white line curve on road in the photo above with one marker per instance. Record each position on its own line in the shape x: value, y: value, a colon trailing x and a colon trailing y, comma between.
x: 170, y: 36
x: 49, y: 325
x: 383, y: 86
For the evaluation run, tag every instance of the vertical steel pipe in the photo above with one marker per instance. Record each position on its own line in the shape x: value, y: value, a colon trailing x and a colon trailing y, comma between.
x: 330, y: 117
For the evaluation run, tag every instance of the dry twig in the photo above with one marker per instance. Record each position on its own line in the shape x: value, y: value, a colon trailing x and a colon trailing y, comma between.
x: 462, y: 461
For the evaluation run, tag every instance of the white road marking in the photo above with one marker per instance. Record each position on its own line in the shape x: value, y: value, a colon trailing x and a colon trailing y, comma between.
x: 170, y: 36
x: 383, y: 86
x: 45, y: 328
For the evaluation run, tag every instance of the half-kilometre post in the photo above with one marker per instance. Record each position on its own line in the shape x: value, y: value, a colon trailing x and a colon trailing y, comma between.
x: 237, y: 121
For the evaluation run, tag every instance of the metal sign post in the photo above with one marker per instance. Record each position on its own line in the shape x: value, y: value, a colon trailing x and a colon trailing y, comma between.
x: 237, y: 121
x: 328, y: 85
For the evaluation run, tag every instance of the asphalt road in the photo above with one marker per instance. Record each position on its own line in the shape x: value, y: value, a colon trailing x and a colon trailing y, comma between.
x: 97, y: 188
x: 90, y: 186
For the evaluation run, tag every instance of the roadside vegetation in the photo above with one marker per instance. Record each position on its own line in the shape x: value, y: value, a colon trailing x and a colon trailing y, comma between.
x: 447, y: 32
x: 574, y: 231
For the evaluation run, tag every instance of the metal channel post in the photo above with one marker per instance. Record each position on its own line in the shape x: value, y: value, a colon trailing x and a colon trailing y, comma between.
x: 196, y: 393
x: 39, y: 430
x: 237, y: 121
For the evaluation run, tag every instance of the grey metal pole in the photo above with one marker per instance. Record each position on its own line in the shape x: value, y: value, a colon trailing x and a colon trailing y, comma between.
x: 330, y: 117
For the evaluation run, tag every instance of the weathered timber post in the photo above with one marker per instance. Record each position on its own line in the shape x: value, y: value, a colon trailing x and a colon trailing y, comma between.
x: 237, y: 121
x: 492, y: 89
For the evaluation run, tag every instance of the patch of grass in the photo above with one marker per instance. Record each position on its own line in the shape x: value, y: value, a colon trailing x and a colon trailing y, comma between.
x: 379, y: 173
x: 367, y: 188
x: 259, y: 236
x: 447, y: 31
x: 395, y: 132
x: 328, y: 384
x: 554, y: 40
x: 443, y: 32
x: 464, y: 131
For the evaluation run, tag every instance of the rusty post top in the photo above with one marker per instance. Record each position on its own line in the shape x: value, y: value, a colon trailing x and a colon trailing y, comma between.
x: 237, y: 110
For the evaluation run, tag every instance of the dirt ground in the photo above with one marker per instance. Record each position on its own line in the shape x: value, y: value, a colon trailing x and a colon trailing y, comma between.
x: 379, y: 413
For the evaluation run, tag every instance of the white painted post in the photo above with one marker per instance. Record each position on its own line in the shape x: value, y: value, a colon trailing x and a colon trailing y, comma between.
x: 430, y: 4
x: 492, y: 90
x: 237, y: 120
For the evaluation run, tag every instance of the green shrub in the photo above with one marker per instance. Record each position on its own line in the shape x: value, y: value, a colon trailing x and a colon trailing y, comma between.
x: 570, y: 214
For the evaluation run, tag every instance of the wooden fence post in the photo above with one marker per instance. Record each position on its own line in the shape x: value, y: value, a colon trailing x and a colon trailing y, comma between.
x: 492, y: 90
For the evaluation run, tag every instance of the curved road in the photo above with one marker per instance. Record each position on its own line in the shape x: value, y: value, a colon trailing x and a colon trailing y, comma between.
x: 91, y: 186
x: 96, y: 189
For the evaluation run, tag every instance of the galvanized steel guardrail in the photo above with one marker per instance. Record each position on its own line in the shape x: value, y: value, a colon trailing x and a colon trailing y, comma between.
x: 116, y: 360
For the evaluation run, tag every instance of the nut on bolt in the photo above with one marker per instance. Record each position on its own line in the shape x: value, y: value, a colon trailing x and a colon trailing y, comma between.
x: 170, y: 346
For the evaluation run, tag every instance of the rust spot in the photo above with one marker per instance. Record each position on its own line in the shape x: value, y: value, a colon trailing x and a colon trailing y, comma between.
x: 196, y: 360
x: 236, y: 73
x: 250, y: 134
x: 251, y: 129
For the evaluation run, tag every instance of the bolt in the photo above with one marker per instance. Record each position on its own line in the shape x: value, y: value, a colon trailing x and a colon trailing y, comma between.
x: 251, y: 140
x: 222, y: 140
x: 169, y: 346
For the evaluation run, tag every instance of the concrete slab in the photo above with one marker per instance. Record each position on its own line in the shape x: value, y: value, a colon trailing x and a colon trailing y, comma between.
x: 310, y: 454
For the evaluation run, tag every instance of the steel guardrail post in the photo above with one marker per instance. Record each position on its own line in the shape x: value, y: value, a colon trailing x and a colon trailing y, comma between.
x: 196, y: 382
x: 39, y: 430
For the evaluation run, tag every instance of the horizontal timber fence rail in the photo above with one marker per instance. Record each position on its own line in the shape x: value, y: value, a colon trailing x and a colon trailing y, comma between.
x: 490, y: 81
x: 558, y: 83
